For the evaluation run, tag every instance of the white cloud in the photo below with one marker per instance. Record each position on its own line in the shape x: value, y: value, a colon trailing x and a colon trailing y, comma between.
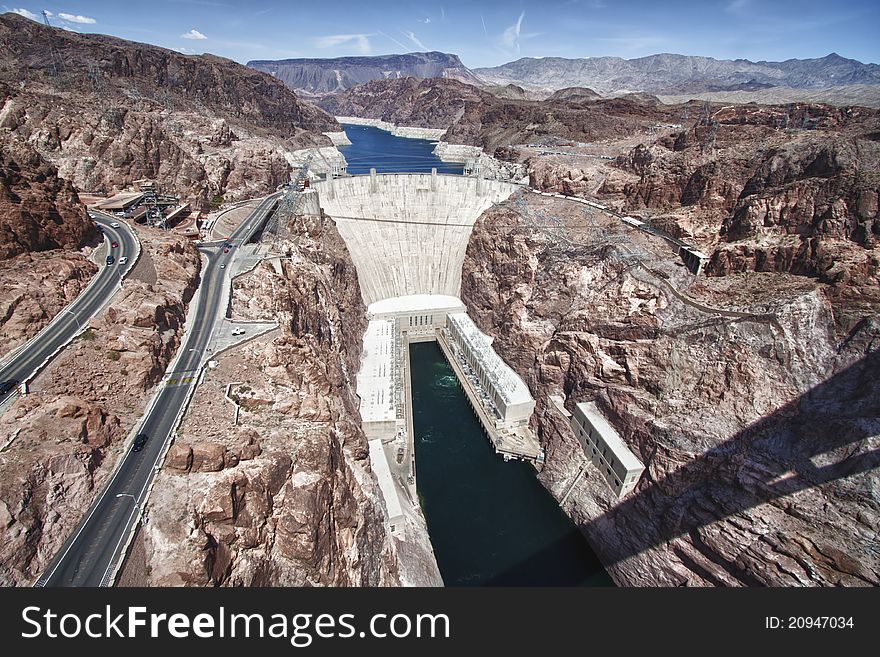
x: 360, y: 41
x: 425, y: 20
x: 76, y: 18
x: 737, y: 6
x: 510, y: 36
x: 194, y: 35
x: 412, y: 37
x: 26, y: 14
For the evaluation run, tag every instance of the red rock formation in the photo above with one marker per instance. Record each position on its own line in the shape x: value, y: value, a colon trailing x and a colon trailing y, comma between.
x: 732, y: 417
x: 284, y: 497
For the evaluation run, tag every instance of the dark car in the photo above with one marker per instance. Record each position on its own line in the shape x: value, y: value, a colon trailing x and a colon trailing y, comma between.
x: 139, y: 441
x: 226, y: 250
x: 9, y: 386
x: 110, y: 260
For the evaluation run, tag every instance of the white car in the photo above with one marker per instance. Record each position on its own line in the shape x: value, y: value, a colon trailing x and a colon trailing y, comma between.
x: 238, y: 331
x: 223, y: 266
x: 115, y: 224
x: 123, y: 260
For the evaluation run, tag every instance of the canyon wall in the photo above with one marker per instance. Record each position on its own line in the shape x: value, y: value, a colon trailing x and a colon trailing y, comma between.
x: 758, y: 430
x: 280, y: 492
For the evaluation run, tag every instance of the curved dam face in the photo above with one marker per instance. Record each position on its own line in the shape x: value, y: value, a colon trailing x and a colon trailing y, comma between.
x: 407, y: 233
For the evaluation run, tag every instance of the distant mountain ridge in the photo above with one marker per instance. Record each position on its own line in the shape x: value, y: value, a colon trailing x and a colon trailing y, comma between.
x: 341, y: 73
x: 670, y: 73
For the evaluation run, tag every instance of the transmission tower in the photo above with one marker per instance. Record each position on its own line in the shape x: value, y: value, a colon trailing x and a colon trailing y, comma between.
x: 709, y: 141
x: 278, y: 226
x: 96, y: 78
x: 57, y: 62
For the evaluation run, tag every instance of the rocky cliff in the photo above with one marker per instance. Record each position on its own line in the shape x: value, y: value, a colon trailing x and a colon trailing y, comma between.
x: 279, y: 493
x: 752, y: 400
x: 476, y: 117
x: 107, y: 112
x: 341, y: 73
x: 43, y: 227
x: 760, y: 197
x: 62, y: 440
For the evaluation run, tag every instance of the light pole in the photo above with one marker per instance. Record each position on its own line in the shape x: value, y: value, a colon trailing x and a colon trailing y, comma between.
x: 136, y: 505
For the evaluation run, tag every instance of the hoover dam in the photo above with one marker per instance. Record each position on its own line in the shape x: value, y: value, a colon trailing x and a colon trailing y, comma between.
x: 407, y: 234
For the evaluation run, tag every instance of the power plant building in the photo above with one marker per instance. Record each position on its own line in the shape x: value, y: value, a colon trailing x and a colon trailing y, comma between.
x: 606, y: 449
x: 507, y: 392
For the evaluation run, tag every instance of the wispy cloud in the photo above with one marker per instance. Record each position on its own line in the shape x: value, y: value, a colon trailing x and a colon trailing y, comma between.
x: 26, y: 14
x: 483, y: 21
x: 194, y: 35
x: 412, y: 37
x: 425, y: 20
x: 360, y: 41
x: 510, y: 36
x: 76, y: 18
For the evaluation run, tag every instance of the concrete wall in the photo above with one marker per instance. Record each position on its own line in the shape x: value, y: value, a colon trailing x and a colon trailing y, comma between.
x: 407, y: 233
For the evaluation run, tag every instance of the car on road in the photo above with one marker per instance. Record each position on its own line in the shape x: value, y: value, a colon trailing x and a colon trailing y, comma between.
x: 100, y: 228
x: 110, y: 260
x: 139, y: 441
x: 238, y: 331
x: 223, y: 266
x: 123, y: 260
x: 114, y: 245
x: 226, y: 250
x: 115, y: 224
x: 9, y: 385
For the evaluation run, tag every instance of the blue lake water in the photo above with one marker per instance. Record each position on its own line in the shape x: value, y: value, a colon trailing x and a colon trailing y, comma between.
x: 386, y: 153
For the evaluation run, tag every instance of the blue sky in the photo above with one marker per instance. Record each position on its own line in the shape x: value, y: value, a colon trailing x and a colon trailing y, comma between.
x: 482, y: 32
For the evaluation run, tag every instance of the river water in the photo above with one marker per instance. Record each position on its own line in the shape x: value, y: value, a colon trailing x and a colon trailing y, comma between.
x: 491, y: 522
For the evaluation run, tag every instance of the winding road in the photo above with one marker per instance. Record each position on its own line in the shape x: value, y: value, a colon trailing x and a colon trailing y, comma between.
x: 90, y: 556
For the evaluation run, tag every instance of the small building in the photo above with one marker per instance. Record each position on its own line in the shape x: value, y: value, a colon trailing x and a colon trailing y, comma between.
x: 379, y: 385
x: 606, y: 449
x: 379, y: 464
x: 507, y: 392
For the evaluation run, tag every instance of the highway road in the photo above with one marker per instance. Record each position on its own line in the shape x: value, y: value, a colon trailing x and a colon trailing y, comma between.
x: 28, y: 359
x: 90, y: 555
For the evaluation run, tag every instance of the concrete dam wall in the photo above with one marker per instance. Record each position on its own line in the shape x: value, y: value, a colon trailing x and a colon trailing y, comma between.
x: 407, y: 233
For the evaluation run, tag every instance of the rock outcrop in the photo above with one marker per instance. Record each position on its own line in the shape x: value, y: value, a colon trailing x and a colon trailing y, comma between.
x: 759, y: 432
x: 43, y: 226
x: 340, y: 73
x: 283, y: 496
